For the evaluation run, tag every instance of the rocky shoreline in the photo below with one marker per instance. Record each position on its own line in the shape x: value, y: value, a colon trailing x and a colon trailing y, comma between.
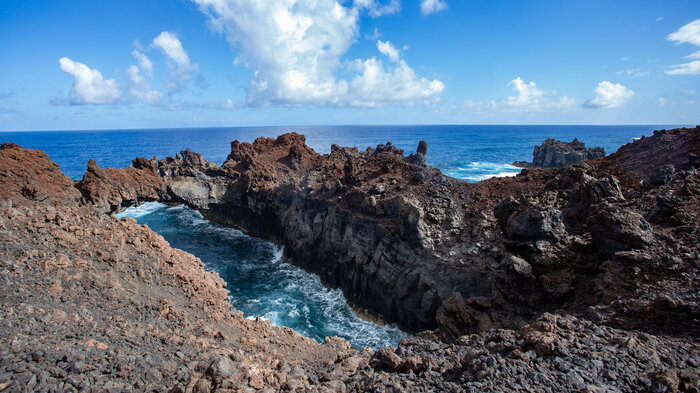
x: 429, y: 252
x: 581, y: 278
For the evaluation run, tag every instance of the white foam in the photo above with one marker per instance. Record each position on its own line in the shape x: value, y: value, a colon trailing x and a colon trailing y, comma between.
x: 481, y: 170
x: 475, y: 178
x: 284, y: 301
x: 278, y: 252
x: 141, y: 210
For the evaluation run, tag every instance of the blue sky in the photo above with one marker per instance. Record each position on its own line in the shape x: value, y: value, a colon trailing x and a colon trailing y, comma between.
x: 149, y: 64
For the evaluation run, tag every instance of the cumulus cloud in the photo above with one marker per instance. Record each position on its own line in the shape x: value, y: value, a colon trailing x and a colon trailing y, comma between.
x: 180, y: 67
x: 89, y: 87
x: 531, y: 99
x: 528, y: 98
x: 378, y: 86
x: 689, y: 34
x: 609, y: 95
x: 428, y: 7
x: 294, y: 51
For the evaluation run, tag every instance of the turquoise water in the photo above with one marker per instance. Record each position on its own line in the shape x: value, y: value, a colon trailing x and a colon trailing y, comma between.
x: 261, y: 284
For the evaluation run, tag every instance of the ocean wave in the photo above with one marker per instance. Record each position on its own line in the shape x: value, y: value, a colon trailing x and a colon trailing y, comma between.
x: 479, y: 170
x: 141, y: 210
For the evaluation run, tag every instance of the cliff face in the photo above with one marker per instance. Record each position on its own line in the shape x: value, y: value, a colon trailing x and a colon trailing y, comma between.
x: 431, y: 252
x: 91, y: 303
x: 553, y: 153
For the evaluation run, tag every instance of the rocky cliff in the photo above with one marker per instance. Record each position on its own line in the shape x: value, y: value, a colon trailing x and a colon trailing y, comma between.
x: 553, y: 153
x: 427, y: 251
x: 95, y: 304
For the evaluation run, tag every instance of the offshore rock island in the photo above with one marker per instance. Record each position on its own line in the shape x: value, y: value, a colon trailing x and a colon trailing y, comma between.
x: 553, y: 153
x: 576, y: 278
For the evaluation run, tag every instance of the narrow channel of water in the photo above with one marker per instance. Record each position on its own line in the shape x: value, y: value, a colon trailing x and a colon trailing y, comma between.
x: 261, y: 284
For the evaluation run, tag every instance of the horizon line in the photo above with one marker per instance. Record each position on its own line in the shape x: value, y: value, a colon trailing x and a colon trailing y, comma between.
x: 688, y: 125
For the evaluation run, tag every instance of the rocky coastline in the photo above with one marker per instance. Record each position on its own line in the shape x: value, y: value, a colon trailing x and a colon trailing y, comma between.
x: 577, y: 278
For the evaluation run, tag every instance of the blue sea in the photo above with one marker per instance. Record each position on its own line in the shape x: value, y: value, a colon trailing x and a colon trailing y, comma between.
x: 261, y: 284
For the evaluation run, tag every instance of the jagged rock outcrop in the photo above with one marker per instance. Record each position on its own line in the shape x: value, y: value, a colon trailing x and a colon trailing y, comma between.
x: 553, y: 153
x: 111, y: 190
x: 427, y: 251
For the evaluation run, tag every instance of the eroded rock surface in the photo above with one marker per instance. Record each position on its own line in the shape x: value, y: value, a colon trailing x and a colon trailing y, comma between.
x: 553, y: 153
x: 91, y: 303
x: 427, y: 251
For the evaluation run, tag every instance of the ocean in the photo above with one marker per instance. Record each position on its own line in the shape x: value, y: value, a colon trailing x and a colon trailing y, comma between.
x: 470, y: 153
x: 261, y: 284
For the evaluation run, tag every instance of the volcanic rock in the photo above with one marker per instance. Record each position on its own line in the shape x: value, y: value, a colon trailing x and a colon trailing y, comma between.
x: 92, y: 303
x: 426, y: 251
x: 553, y: 153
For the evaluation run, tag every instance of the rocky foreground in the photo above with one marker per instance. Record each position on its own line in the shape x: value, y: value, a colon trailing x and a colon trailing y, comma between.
x: 582, y: 278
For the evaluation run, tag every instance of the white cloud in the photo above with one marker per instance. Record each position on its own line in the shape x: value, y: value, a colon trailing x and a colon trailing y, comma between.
x: 609, y: 95
x: 140, y: 88
x: 375, y: 9
x: 659, y: 18
x: 692, y: 68
x: 180, y: 68
x: 374, y: 35
x: 89, y: 87
x: 144, y: 62
x: 172, y: 47
x: 690, y: 34
x: 528, y: 99
x: 531, y: 99
x: 376, y: 86
x: 388, y: 50
x: 633, y: 73
x: 661, y: 101
x: 428, y: 7
x: 294, y: 50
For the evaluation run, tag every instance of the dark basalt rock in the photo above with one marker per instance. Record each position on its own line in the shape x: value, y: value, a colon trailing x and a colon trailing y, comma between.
x: 553, y: 153
x: 92, y: 303
x: 426, y: 251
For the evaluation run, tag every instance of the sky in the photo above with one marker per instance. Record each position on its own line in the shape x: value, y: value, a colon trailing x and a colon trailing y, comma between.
x: 85, y: 64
